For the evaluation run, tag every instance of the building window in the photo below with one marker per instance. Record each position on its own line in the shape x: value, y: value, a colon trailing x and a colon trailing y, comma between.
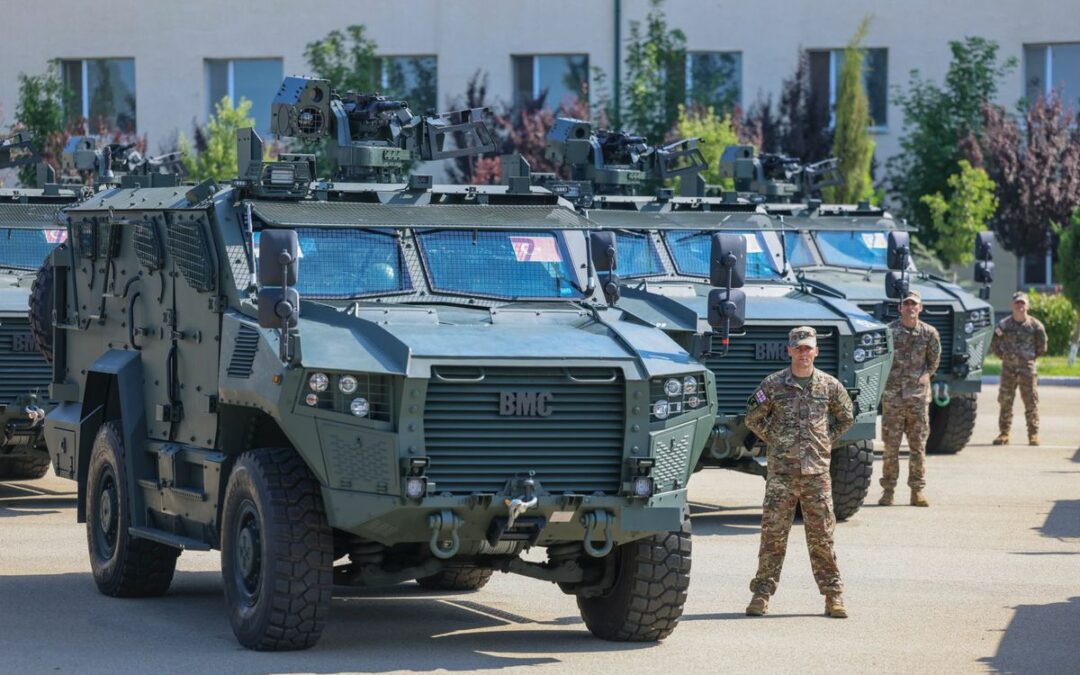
x: 714, y: 79
x: 256, y: 80
x: 1049, y: 67
x: 410, y: 78
x: 101, y: 91
x: 1037, y: 269
x: 562, y: 79
x: 825, y: 66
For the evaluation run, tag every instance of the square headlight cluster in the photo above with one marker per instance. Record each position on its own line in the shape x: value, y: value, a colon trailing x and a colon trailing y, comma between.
x: 673, y: 396
x: 363, y: 396
x: 870, y: 346
x: 980, y: 318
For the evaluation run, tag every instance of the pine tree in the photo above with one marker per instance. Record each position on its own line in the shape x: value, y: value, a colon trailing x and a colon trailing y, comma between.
x: 852, y: 145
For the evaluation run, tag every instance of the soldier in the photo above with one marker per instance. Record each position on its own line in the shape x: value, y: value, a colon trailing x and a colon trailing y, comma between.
x: 799, y: 412
x: 906, y: 400
x: 1019, y: 340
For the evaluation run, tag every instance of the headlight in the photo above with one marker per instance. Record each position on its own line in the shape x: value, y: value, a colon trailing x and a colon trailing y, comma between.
x: 359, y: 407
x: 312, y: 399
x: 347, y: 384
x: 969, y: 328
x: 318, y: 382
x: 673, y: 387
x: 860, y: 355
x: 689, y: 384
x: 867, y: 339
x: 660, y: 409
x: 693, y: 401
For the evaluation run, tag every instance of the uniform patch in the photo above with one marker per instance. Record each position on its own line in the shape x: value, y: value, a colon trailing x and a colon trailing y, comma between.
x: 759, y: 396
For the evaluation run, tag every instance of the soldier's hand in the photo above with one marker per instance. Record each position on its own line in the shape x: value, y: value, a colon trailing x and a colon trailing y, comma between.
x: 998, y: 332
x: 924, y: 378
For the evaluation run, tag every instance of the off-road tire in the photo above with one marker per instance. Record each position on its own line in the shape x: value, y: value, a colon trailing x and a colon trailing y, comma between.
x: 851, y: 469
x: 456, y: 579
x: 124, y: 566
x: 41, y: 308
x: 647, y: 599
x: 951, y: 426
x: 274, y: 518
x: 24, y: 466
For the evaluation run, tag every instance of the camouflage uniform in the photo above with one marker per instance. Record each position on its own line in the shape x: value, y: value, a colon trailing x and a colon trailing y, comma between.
x: 906, y: 400
x: 799, y: 425
x: 1018, y: 345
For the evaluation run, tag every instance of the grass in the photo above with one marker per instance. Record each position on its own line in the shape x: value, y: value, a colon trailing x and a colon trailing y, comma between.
x: 1048, y: 366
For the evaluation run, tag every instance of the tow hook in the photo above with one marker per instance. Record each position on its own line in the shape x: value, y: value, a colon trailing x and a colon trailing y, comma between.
x: 941, y: 394
x: 517, y: 506
x: 445, y: 542
x: 35, y: 414
x: 592, y: 521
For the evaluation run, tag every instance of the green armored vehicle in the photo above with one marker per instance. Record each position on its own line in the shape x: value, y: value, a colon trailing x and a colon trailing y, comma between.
x: 844, y: 249
x: 664, y: 264
x: 363, y: 384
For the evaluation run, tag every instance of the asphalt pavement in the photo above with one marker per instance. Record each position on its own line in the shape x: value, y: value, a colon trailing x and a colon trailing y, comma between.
x: 986, y: 579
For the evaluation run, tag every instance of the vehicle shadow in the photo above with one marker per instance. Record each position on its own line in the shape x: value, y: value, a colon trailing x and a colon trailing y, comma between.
x: 1063, y: 521
x: 714, y: 520
x: 19, y: 498
x: 1040, y: 639
x: 370, y: 630
x: 1076, y: 457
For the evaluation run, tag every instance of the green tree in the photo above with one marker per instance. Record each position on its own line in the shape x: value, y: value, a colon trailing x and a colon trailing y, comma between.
x: 655, y: 85
x: 936, y: 120
x: 347, y: 59
x: 852, y: 145
x: 1058, y: 315
x: 964, y: 213
x: 716, y: 133
x: 214, y: 153
x: 1067, y: 269
x: 40, y: 111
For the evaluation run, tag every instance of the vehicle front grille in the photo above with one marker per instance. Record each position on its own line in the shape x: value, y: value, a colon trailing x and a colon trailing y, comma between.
x: 23, y: 370
x: 758, y: 353
x: 577, y: 447
x: 868, y: 383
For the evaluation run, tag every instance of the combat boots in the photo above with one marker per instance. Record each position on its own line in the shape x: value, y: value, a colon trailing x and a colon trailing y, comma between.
x: 834, y: 606
x: 1002, y: 439
x: 886, y: 498
x: 918, y: 498
x: 758, y: 605
x: 1033, y: 439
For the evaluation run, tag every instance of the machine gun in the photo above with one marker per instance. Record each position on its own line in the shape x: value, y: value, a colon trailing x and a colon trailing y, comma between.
x: 774, y: 177
x: 370, y: 138
x: 17, y: 151
x: 616, y: 162
x: 119, y: 164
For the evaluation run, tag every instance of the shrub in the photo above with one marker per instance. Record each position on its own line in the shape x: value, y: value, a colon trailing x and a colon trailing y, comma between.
x: 1059, y: 317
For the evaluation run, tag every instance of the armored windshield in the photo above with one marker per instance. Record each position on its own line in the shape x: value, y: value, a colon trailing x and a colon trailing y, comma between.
x: 512, y: 264
x: 798, y: 249
x: 690, y: 249
x: 25, y: 249
x: 854, y: 248
x: 637, y: 255
x: 342, y: 263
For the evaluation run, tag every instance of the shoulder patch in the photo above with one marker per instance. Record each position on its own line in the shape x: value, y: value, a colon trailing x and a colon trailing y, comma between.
x: 759, y: 396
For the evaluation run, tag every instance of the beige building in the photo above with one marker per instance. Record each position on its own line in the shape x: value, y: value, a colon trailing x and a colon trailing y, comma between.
x: 156, y: 68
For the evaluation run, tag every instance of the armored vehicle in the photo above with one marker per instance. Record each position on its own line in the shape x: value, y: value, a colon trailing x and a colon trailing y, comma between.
x: 844, y: 249
x: 664, y: 265
x: 409, y: 381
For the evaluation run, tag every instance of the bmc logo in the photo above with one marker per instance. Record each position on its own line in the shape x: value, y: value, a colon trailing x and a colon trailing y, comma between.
x: 525, y: 404
x: 23, y: 342
x: 771, y: 351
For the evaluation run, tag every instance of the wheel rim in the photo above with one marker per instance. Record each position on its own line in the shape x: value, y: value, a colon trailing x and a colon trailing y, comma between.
x: 108, y: 514
x: 247, y: 558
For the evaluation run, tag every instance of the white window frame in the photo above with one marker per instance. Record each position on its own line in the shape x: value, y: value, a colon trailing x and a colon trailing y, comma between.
x: 833, y: 85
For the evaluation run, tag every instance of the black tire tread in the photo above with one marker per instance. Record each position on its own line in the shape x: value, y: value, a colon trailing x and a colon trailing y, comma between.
x: 457, y: 579
x: 951, y: 427
x: 647, y: 601
x: 41, y: 306
x: 24, y: 466
x: 851, y: 469
x: 302, y: 578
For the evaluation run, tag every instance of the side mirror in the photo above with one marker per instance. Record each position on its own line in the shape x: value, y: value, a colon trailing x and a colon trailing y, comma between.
x: 610, y: 285
x: 278, y: 307
x: 984, y: 247
x: 279, y: 251
x: 727, y: 308
x: 602, y: 249
x: 896, y: 285
x: 727, y: 260
x: 984, y: 272
x: 899, y: 251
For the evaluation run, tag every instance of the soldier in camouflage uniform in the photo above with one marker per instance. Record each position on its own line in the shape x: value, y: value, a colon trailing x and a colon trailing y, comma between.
x: 1019, y: 340
x: 799, y: 412
x: 906, y: 399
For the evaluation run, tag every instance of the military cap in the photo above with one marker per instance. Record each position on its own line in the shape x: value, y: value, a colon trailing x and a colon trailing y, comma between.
x: 912, y: 295
x: 1020, y: 295
x: 802, y: 335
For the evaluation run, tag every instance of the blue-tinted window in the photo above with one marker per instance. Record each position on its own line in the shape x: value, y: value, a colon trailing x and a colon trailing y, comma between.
x: 504, y: 263
x: 26, y: 249
x: 256, y: 80
x: 798, y: 250
x: 637, y: 257
x: 341, y: 263
x: 691, y: 249
x: 854, y: 248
